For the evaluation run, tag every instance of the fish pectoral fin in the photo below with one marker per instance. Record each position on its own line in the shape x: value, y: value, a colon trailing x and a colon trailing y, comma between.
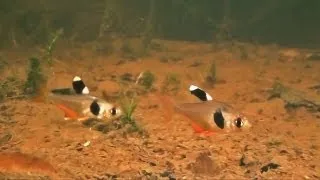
x: 218, y: 118
x: 198, y: 128
x: 67, y: 118
x: 206, y: 133
x: 167, y: 106
x: 78, y: 119
x: 201, y: 131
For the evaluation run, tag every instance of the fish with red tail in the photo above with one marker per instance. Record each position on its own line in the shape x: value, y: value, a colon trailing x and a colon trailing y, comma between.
x: 208, y: 115
x: 77, y: 104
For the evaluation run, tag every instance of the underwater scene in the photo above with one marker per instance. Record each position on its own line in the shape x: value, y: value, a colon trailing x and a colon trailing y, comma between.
x: 159, y: 89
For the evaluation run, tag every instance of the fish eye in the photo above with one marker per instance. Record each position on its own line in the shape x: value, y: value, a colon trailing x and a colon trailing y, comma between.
x: 239, y: 122
x: 113, y: 111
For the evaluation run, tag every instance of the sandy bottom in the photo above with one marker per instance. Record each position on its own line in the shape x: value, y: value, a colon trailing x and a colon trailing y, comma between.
x: 37, y: 141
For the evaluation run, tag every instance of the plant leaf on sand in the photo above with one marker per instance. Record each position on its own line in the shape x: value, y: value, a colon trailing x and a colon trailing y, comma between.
x: 129, y: 105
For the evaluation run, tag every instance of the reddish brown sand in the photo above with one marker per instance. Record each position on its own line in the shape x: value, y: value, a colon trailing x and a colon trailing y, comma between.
x: 291, y: 140
x: 23, y: 163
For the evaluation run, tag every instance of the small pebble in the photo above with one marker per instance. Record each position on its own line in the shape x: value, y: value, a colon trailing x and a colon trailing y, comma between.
x: 86, y: 144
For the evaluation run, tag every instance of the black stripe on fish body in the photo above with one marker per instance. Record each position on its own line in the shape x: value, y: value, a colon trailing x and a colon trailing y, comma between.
x: 218, y: 118
x: 95, y: 108
x: 79, y: 86
x: 199, y: 93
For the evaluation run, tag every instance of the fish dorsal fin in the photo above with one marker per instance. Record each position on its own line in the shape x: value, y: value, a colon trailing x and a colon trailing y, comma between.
x: 95, y: 108
x: 200, y: 93
x: 78, y: 86
x: 218, y: 118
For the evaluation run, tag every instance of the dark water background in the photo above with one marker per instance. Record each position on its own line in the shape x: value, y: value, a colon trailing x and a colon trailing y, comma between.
x: 286, y: 22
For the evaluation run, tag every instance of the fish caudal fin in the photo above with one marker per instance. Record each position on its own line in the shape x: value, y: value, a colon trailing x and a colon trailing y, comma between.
x: 79, y: 86
x: 68, y: 113
x: 170, y: 108
x: 167, y: 105
x: 200, y: 93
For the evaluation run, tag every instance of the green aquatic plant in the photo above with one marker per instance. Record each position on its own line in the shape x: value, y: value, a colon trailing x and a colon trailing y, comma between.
x: 104, y: 42
x: 171, y: 83
x: 212, y: 74
x: 10, y: 87
x: 107, y: 20
x: 149, y: 28
x: 128, y: 106
x: 128, y: 51
x: 51, y: 45
x: 147, y: 80
x: 35, y: 77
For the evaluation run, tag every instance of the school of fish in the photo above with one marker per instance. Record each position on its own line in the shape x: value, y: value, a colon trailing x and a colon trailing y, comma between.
x: 207, y: 116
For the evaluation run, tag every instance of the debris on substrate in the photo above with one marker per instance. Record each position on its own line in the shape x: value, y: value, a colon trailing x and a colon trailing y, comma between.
x: 294, y: 98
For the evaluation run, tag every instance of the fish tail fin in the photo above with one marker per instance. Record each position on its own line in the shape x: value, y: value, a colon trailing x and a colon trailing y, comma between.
x: 170, y: 108
x: 68, y: 113
x: 167, y: 105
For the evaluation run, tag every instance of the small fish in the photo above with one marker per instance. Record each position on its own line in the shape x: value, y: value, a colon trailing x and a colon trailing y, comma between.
x: 210, y: 115
x: 76, y: 103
